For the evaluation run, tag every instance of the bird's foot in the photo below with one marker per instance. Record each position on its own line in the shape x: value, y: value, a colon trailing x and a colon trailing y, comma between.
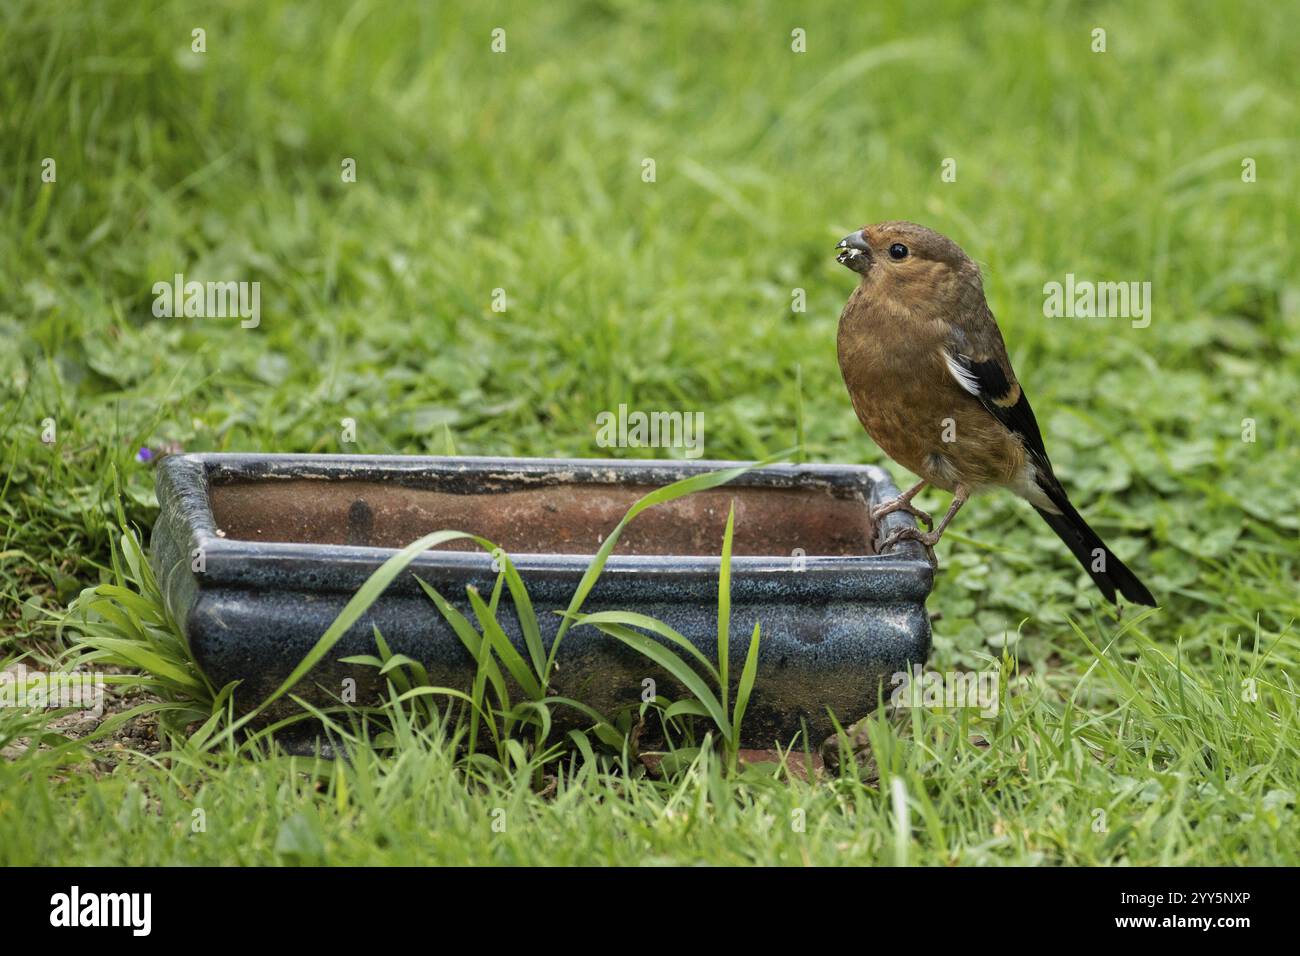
x: 928, y: 540
x: 904, y: 504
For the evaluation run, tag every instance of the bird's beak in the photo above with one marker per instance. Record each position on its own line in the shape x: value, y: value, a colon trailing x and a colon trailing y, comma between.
x: 854, y: 252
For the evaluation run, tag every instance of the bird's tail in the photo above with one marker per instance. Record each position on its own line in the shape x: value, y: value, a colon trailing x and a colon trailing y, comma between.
x: 1092, y: 553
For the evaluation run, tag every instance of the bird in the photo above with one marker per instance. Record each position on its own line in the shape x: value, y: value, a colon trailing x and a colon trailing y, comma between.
x: 929, y: 377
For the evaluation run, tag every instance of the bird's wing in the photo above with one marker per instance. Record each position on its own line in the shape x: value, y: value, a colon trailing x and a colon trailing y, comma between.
x: 978, y: 361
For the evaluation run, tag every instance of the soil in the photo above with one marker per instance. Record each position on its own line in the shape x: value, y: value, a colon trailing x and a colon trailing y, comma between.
x: 139, y: 734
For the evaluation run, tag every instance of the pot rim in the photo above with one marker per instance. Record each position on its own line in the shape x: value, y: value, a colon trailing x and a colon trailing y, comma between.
x: 183, y: 481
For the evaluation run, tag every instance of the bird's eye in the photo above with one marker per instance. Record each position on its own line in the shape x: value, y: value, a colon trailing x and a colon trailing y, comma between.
x: 898, y: 251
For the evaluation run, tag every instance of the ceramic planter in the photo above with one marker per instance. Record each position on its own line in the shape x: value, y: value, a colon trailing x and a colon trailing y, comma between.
x: 285, y: 540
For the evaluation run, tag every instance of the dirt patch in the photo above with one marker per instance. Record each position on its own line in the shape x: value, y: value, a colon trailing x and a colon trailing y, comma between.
x: 139, y: 734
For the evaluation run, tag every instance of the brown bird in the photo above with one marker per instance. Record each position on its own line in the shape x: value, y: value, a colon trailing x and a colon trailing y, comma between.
x: 930, y: 379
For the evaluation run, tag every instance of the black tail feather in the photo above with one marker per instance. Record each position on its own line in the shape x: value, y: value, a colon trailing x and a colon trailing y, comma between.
x: 1084, y: 543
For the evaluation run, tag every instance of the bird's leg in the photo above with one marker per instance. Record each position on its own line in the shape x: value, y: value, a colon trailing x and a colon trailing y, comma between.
x: 928, y: 538
x: 904, y: 503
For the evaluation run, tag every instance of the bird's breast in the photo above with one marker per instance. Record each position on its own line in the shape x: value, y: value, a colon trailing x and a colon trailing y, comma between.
x: 909, y: 404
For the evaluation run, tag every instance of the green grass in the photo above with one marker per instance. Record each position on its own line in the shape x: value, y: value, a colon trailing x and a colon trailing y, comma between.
x: 1183, y: 771
x: 522, y: 172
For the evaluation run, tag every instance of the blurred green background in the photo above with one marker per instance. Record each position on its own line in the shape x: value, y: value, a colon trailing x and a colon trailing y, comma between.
x: 522, y: 171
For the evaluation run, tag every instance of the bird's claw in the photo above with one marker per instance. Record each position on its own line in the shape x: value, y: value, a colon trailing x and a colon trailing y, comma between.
x: 928, y: 540
x: 899, y: 504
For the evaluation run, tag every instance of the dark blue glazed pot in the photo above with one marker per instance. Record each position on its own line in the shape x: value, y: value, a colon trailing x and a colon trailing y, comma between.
x: 285, y: 540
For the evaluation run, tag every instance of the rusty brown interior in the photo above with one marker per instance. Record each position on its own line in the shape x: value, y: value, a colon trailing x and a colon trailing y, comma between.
x: 557, y: 519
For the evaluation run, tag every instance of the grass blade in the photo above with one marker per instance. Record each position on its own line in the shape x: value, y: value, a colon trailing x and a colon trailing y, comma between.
x: 675, y: 666
x: 667, y: 493
x: 500, y: 643
x: 748, y: 674
x: 644, y: 621
x: 724, y: 608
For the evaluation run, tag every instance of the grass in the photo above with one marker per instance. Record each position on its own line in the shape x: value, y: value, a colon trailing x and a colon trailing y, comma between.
x: 522, y: 171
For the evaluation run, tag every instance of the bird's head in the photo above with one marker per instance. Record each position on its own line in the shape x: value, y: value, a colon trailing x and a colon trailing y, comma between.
x: 907, y: 262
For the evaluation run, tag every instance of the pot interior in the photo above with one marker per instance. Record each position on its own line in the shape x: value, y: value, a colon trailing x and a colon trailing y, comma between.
x: 562, y: 518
